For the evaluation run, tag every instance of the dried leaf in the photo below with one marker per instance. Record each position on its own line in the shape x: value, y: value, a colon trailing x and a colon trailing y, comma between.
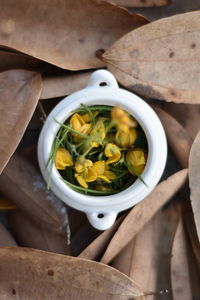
x: 6, y: 238
x: 62, y: 85
x: 192, y: 231
x: 19, y: 94
x: 11, y: 60
x: 194, y: 180
x: 186, y: 114
x: 31, y: 235
x: 140, y: 3
x: 5, y: 204
x: 95, y: 250
x: 178, y: 138
x: 160, y: 60
x: 147, y: 257
x: 25, y: 187
x: 69, y: 34
x: 180, y: 277
x: 26, y: 273
x: 142, y: 213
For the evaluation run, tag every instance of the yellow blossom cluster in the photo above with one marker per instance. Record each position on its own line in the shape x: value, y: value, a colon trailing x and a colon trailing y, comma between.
x: 115, y: 147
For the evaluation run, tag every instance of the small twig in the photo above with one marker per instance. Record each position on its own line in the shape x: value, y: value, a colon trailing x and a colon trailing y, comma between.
x: 42, y: 111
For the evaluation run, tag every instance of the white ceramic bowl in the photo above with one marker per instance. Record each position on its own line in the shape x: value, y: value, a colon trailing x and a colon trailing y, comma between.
x: 102, y: 210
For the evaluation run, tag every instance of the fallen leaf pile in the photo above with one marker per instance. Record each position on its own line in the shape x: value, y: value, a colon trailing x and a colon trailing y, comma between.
x: 48, y: 50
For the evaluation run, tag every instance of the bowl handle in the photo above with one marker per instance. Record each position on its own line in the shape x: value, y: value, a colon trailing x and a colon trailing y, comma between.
x: 102, y: 221
x: 102, y: 79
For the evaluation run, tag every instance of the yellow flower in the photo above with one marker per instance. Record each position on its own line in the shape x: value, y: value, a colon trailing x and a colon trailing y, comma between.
x: 97, y: 134
x: 122, y: 119
x: 63, y: 159
x: 86, y: 117
x: 77, y: 123
x: 127, y: 138
x: 102, y: 171
x: 137, y: 159
x: 85, y: 172
x: 113, y: 153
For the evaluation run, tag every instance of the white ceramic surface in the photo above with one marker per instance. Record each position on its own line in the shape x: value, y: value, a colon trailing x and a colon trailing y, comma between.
x: 111, y: 94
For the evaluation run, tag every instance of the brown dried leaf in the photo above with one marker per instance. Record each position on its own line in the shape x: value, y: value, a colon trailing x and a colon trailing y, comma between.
x: 6, y: 238
x: 192, y: 231
x: 160, y: 60
x: 178, y: 138
x: 142, y: 213
x: 194, y: 180
x: 62, y: 85
x: 27, y: 274
x: 64, y: 33
x: 140, y: 3
x: 31, y: 235
x: 180, y: 277
x: 186, y: 114
x: 19, y: 94
x: 147, y: 258
x: 98, y: 246
x: 24, y: 186
x: 11, y: 60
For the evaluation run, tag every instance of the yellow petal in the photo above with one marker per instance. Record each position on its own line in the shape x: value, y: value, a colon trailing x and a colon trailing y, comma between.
x: 63, y: 159
x: 117, y: 112
x: 139, y: 169
x: 82, y: 164
x: 81, y: 181
x: 113, y: 159
x: 123, y: 120
x: 86, y: 116
x: 136, y: 157
x: 113, y: 153
x: 126, y: 138
x: 104, y: 178
x: 98, y: 133
x: 76, y: 121
x: 99, y: 167
x: 110, y: 175
x: 94, y: 144
x: 86, y: 128
x: 91, y: 175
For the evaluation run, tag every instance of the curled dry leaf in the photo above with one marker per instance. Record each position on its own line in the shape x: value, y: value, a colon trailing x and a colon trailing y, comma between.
x: 30, y: 234
x: 27, y: 274
x: 141, y: 3
x: 62, y: 85
x: 6, y: 238
x: 19, y: 94
x: 79, y: 28
x: 142, y: 213
x: 180, y: 277
x: 11, y: 60
x: 160, y: 60
x: 178, y: 138
x: 194, y: 180
x: 95, y: 250
x: 23, y: 185
x: 147, y: 258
